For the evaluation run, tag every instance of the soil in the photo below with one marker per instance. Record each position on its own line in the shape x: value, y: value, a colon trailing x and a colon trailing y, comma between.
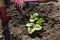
x: 16, y: 29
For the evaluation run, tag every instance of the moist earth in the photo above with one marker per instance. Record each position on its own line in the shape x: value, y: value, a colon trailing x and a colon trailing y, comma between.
x: 16, y: 29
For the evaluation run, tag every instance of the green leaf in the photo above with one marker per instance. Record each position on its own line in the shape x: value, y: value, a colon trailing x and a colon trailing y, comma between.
x: 35, y: 14
x: 33, y: 17
x: 32, y: 20
x: 40, y: 21
x: 37, y: 27
x: 29, y: 24
x: 31, y: 30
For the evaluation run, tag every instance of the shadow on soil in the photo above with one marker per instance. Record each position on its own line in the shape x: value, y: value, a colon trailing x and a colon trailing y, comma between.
x: 6, y: 32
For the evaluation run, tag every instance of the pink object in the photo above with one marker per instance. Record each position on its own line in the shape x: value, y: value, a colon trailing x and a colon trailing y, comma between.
x: 21, y: 2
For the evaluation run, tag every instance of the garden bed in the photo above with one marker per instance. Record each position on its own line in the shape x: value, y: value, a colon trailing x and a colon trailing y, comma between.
x: 51, y: 27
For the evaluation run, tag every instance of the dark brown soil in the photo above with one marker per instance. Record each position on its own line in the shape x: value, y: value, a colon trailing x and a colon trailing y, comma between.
x: 16, y: 29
